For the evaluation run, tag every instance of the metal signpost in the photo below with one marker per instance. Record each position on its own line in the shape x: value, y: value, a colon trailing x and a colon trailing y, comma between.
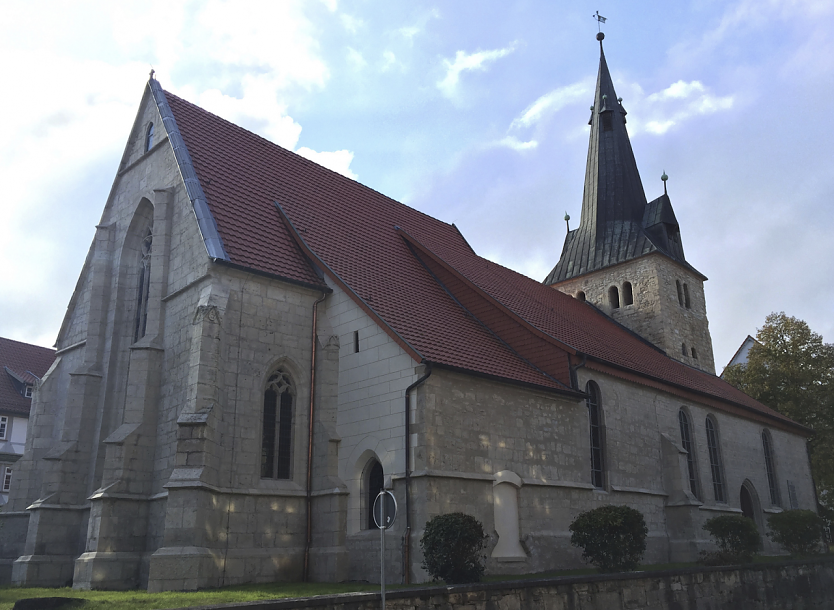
x: 384, y: 511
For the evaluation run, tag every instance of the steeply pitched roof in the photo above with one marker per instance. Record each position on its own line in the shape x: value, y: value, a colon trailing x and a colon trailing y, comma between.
x: 21, y: 364
x: 282, y: 214
x: 617, y: 224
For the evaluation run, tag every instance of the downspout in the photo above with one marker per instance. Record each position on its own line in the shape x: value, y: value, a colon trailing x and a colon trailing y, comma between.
x: 407, y: 534
x: 573, y: 378
x: 309, y: 538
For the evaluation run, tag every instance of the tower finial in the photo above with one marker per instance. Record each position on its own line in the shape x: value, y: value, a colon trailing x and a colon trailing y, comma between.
x: 664, y: 177
x: 567, y: 221
x: 152, y: 73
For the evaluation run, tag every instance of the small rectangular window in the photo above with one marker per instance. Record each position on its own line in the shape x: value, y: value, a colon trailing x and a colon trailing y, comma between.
x: 28, y: 391
x: 356, y: 342
x: 7, y: 479
x: 4, y: 424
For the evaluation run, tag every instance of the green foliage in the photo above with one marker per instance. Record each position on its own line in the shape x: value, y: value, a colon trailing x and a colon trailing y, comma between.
x: 792, y: 371
x: 736, y: 536
x: 798, y: 531
x: 613, y: 538
x: 452, y: 546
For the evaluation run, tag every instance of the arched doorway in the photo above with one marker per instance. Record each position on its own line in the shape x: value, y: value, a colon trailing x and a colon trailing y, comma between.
x: 747, y: 504
x: 376, y: 482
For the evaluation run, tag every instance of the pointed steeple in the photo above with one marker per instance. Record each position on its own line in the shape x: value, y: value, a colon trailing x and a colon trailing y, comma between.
x: 613, y: 190
x: 614, y: 207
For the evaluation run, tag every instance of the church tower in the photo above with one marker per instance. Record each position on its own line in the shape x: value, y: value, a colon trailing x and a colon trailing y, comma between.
x: 626, y: 257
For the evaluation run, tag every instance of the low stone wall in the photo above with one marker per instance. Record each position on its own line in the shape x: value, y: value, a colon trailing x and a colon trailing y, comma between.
x: 794, y: 585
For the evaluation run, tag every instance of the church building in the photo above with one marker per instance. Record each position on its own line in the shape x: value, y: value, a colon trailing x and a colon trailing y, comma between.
x: 257, y: 345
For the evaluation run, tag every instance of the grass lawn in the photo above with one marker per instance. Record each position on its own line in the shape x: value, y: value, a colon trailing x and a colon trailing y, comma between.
x: 141, y: 600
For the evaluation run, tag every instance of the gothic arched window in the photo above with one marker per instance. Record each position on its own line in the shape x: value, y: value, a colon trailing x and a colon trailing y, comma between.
x: 686, y: 296
x: 628, y: 294
x: 276, y: 438
x: 597, y: 435
x: 680, y: 292
x: 770, y: 465
x: 716, y: 467
x: 149, y: 137
x: 376, y: 482
x: 144, y: 287
x: 686, y: 441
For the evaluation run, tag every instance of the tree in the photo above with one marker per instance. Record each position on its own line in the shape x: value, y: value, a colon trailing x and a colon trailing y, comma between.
x: 792, y: 370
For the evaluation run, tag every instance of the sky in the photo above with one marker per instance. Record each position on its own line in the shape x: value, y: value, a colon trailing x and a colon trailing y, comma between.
x: 474, y: 112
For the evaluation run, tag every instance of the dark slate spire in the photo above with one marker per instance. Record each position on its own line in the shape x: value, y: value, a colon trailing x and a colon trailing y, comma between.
x: 614, y: 206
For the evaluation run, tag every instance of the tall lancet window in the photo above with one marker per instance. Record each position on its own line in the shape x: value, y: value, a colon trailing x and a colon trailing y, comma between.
x: 144, y: 285
x: 597, y: 435
x: 276, y: 437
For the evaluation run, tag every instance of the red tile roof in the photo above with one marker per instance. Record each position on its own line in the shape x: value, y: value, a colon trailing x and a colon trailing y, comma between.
x: 18, y: 362
x: 415, y: 274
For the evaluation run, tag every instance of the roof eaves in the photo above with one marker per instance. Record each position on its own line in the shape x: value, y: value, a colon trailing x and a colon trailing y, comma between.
x: 199, y: 203
x: 275, y: 276
x: 783, y: 422
x: 568, y: 392
x: 488, y: 297
x: 308, y: 251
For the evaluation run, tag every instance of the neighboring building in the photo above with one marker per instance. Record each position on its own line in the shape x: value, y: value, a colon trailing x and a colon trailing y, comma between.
x: 742, y: 353
x: 256, y: 345
x: 23, y: 366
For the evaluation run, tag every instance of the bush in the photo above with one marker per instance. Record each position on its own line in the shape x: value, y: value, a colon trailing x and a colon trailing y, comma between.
x: 798, y: 531
x: 452, y: 546
x: 737, y: 539
x: 613, y: 538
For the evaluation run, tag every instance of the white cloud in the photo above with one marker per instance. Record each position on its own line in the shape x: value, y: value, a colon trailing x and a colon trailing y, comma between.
x: 355, y: 59
x: 337, y: 160
x: 389, y: 61
x: 679, y: 102
x: 516, y: 144
x: 410, y: 31
x: 332, y: 5
x: 466, y: 62
x: 351, y: 23
x: 552, y: 102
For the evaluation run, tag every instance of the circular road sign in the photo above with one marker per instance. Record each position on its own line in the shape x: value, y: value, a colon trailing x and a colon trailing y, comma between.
x: 390, y: 502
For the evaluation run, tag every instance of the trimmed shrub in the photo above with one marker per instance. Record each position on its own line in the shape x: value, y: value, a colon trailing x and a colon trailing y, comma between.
x: 799, y: 532
x: 613, y: 538
x: 452, y: 546
x: 737, y: 539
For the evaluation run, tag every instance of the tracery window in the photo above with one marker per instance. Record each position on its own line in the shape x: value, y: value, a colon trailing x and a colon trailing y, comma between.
x: 716, y: 467
x: 149, y: 137
x: 141, y: 321
x: 597, y: 435
x: 276, y: 438
x: 770, y: 466
x: 686, y: 441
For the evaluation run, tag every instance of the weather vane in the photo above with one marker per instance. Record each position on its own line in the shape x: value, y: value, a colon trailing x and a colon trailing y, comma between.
x: 600, y: 20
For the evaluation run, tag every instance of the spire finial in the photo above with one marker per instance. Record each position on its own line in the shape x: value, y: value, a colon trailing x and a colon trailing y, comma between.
x: 567, y: 221
x: 152, y: 73
x: 664, y: 177
x: 600, y: 20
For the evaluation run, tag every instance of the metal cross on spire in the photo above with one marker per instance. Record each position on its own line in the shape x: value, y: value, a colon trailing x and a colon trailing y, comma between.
x: 600, y: 20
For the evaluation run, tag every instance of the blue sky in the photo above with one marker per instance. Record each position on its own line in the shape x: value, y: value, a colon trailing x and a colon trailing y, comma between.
x: 473, y: 112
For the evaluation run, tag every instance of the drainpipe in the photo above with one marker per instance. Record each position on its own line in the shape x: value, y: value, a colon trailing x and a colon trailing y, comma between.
x: 573, y: 378
x: 407, y: 534
x: 313, y: 342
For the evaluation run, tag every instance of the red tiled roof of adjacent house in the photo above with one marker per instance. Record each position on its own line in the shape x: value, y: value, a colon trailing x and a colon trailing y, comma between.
x: 21, y: 364
x: 415, y: 273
